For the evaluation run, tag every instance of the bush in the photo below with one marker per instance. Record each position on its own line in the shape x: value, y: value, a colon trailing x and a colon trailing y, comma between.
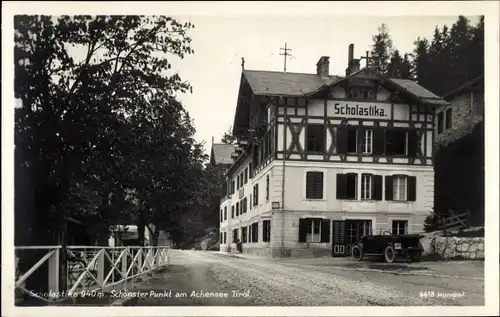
x: 430, y: 223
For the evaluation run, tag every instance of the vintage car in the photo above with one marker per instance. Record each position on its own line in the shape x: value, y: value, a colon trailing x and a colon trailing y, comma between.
x: 389, y: 247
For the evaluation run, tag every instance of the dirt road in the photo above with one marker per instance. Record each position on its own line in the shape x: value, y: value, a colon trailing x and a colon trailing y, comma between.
x: 214, y: 279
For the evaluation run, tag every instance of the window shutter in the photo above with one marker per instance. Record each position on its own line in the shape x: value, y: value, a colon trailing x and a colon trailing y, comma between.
x: 378, y: 141
x: 256, y: 194
x: 314, y: 185
x: 267, y: 187
x: 377, y: 187
x: 318, y: 185
x: 412, y: 142
x: 360, y: 135
x: 309, y: 185
x: 263, y: 231
x: 325, y: 230
x: 342, y: 139
x: 388, y: 188
x: 412, y: 188
x: 302, y: 230
x: 341, y: 186
x: 256, y: 232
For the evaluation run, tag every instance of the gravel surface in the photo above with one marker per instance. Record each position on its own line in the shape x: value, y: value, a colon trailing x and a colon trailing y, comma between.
x: 306, y: 282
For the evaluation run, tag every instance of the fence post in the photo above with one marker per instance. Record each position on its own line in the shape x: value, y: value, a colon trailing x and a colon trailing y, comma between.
x: 100, y: 267
x: 54, y: 274
x: 124, y: 262
x: 139, y: 261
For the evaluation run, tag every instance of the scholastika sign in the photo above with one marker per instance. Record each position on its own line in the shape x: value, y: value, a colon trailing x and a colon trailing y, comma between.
x: 357, y: 110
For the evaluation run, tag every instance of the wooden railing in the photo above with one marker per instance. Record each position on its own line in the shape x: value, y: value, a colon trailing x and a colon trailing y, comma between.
x: 457, y: 221
x: 87, y: 268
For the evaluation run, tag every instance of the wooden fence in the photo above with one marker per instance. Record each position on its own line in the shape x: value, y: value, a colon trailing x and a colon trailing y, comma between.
x: 87, y: 268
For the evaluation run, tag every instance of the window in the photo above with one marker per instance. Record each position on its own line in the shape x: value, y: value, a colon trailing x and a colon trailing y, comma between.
x: 366, y: 187
x: 266, y: 230
x: 399, y: 188
x: 347, y: 186
x: 251, y: 202
x: 232, y: 212
x: 225, y: 237
x: 315, y: 138
x: 233, y: 187
x: 244, y: 234
x: 367, y: 141
x: 250, y: 237
x: 235, y: 235
x: 225, y: 212
x: 221, y: 216
x: 399, y: 226
x: 352, y: 93
x: 369, y: 94
x: 221, y: 238
x: 314, y: 230
x: 352, y: 140
x: 256, y: 194
x: 440, y: 119
x: 237, y: 209
x: 314, y: 185
x: 255, y: 232
x: 396, y: 142
x: 267, y: 187
x: 246, y: 175
x: 241, y: 179
x: 448, y: 119
x: 238, y: 182
x: 244, y: 205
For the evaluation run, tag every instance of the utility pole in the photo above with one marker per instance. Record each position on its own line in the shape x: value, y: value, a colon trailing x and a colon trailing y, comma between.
x: 286, y: 54
x: 367, y: 57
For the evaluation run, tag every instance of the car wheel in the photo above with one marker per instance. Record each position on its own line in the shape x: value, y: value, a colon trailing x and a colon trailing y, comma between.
x: 357, y: 253
x: 389, y: 254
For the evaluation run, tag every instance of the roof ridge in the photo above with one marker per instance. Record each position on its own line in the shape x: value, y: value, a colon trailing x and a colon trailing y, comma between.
x: 276, y: 71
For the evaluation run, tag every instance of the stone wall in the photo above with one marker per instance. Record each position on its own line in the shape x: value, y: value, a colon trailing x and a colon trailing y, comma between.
x: 449, y: 248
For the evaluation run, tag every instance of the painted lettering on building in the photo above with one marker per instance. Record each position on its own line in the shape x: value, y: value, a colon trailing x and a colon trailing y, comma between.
x: 359, y: 110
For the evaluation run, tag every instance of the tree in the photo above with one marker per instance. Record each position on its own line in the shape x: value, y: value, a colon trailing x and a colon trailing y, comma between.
x: 73, y: 127
x: 395, y: 65
x: 421, y: 62
x: 381, y: 50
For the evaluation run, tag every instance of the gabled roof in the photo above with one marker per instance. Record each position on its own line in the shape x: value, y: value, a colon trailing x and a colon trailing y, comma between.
x: 221, y: 153
x: 274, y: 83
x: 459, y: 89
x: 406, y: 85
x: 285, y: 84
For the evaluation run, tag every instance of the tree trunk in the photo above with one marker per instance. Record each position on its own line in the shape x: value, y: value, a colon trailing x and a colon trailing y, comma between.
x: 140, y: 231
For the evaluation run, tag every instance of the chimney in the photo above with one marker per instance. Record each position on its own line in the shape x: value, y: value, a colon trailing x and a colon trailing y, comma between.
x: 351, y: 54
x: 353, y: 64
x: 323, y: 66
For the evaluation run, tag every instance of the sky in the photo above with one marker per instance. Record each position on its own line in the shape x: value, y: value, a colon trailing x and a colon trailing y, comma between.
x: 219, y: 43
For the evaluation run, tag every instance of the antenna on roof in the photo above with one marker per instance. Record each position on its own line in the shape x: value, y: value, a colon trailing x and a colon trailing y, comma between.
x: 286, y: 54
x: 368, y: 58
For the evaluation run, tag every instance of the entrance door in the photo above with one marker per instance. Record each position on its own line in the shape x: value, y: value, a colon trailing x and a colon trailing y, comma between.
x: 355, y: 229
x: 338, y: 245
